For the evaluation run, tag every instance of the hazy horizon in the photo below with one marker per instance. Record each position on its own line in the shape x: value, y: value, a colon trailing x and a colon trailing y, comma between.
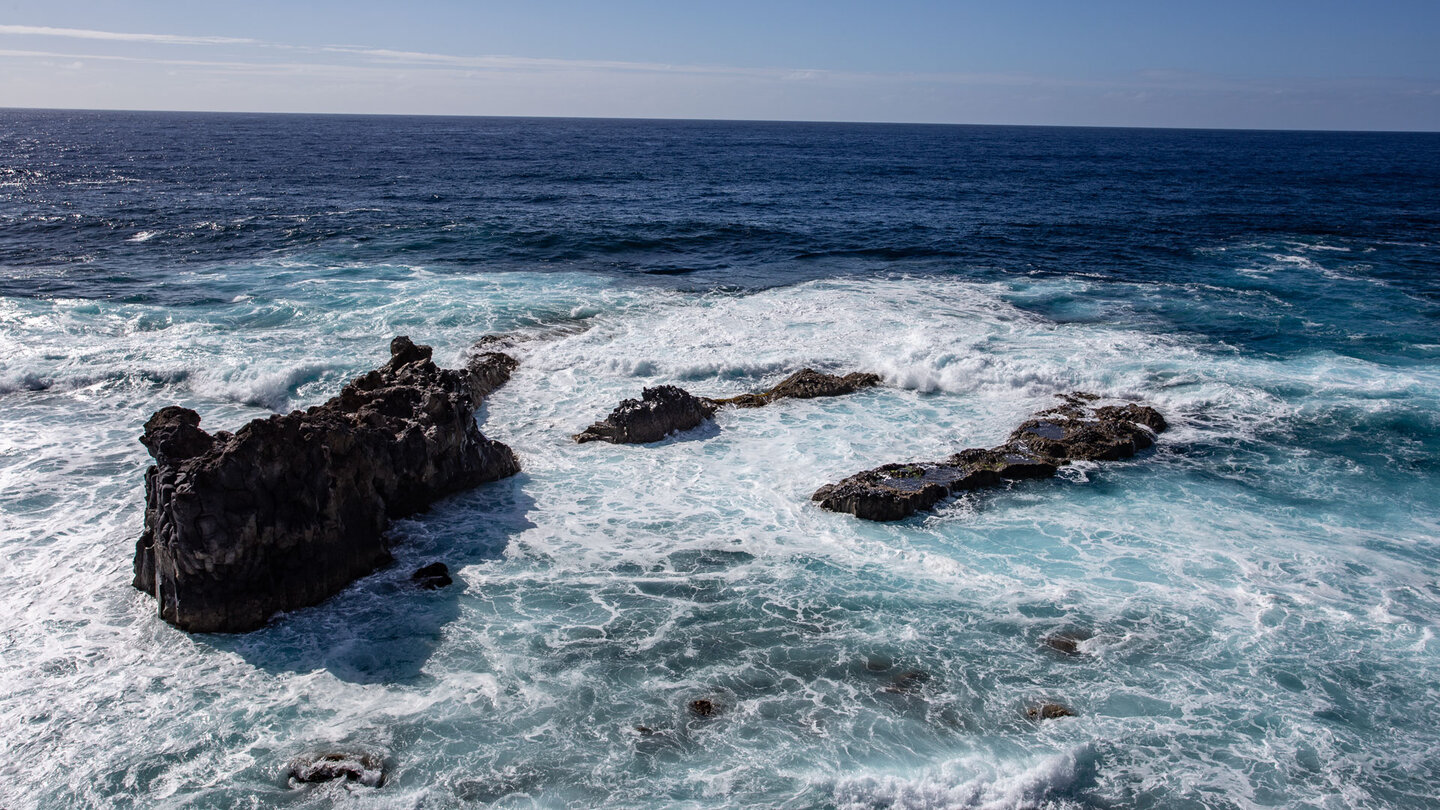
x: 621, y: 118
x: 1287, y: 65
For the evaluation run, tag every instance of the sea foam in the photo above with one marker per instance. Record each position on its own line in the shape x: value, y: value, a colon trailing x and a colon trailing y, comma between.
x: 605, y: 587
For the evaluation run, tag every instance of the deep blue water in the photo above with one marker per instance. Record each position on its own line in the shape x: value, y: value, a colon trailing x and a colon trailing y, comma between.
x: 1263, y: 589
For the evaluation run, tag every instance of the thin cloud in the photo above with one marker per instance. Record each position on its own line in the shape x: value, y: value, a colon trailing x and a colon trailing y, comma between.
x: 493, y: 62
x: 417, y: 58
x: 150, y: 60
x: 120, y: 36
x: 453, y: 81
x: 499, y: 62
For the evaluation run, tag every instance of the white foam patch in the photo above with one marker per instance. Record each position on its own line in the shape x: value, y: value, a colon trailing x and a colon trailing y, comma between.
x: 606, y: 586
x: 972, y: 782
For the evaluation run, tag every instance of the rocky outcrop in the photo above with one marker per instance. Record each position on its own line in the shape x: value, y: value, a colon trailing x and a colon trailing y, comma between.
x: 1076, y: 430
x: 488, y: 367
x: 290, y: 509
x: 364, y: 767
x: 1067, y: 642
x: 432, y: 577
x: 659, y: 412
x: 1049, y: 711
x: 666, y: 409
x: 705, y: 707
x: 805, y: 384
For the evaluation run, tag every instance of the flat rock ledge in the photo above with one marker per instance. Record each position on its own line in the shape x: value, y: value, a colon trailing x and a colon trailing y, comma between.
x: 666, y: 409
x: 290, y: 509
x: 1076, y: 430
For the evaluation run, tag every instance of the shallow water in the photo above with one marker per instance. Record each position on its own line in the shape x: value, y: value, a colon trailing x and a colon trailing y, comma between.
x: 1261, y: 590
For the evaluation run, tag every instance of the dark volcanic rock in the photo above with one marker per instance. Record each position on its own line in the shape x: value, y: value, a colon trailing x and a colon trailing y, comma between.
x: 290, y: 509
x: 704, y: 708
x: 666, y: 409
x: 489, y: 368
x: 1048, y: 711
x: 432, y: 576
x: 1068, y: 642
x: 174, y: 434
x: 365, y: 767
x: 1076, y: 431
x: 805, y: 384
x: 896, y: 491
x: 661, y: 411
x: 1052, y: 438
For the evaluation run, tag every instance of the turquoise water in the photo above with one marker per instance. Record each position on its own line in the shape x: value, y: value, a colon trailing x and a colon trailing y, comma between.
x: 1261, y: 590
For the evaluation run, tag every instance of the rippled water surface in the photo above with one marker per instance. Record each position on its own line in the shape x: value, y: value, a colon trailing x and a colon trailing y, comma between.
x: 1258, y: 595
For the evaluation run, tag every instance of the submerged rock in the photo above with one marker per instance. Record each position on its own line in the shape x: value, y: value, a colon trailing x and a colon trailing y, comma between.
x: 878, y: 663
x: 1074, y: 431
x: 704, y: 707
x: 432, y: 577
x: 805, y: 384
x: 660, y: 411
x: 365, y: 767
x: 1048, y: 711
x: 908, y: 682
x: 1066, y: 643
x: 290, y: 509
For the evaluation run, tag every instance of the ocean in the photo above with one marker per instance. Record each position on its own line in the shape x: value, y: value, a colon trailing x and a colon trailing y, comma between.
x: 1258, y: 594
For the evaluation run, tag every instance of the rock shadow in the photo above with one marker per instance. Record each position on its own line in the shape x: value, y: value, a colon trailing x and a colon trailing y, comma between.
x: 383, y: 628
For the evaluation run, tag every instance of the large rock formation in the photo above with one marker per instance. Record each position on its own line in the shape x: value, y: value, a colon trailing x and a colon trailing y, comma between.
x: 659, y: 412
x: 290, y: 509
x: 1076, y: 430
x: 666, y: 409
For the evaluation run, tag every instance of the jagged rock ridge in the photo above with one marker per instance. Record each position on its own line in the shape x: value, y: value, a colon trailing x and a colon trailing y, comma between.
x: 659, y: 412
x: 289, y: 509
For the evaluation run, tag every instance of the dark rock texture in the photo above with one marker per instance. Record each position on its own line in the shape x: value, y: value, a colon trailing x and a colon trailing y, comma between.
x: 489, y: 368
x: 805, y: 384
x: 290, y: 509
x: 1067, y: 642
x: 1077, y: 431
x: 365, y: 767
x: 666, y: 409
x: 1074, y: 431
x: 1049, y: 711
x: 660, y: 412
x: 432, y: 577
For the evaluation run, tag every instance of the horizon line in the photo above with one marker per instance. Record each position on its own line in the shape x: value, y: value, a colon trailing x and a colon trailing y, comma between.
x: 678, y: 119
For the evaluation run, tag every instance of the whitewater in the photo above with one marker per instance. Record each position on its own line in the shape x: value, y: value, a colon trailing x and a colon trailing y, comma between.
x: 1258, y: 594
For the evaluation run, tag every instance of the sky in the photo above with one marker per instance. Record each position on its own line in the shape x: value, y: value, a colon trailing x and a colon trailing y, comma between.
x: 1272, y: 64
